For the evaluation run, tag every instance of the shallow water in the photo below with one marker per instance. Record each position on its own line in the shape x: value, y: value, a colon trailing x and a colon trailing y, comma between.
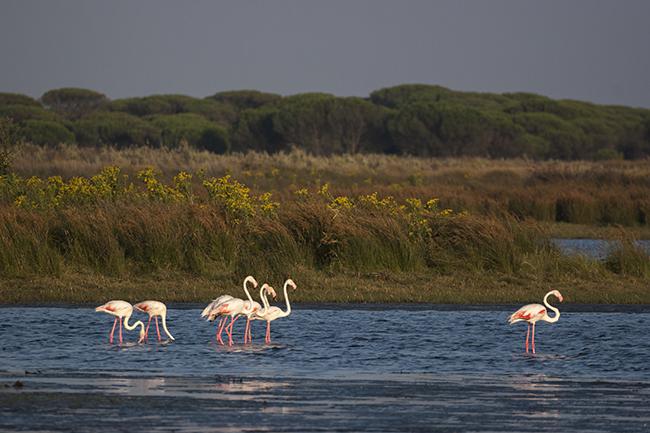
x: 387, y: 368
x: 594, y: 248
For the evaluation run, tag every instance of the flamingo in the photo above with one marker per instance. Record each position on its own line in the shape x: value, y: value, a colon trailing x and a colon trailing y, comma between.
x: 272, y: 313
x: 260, y: 314
x: 250, y: 308
x: 121, y: 310
x: 154, y: 309
x: 212, y: 306
x: 532, y: 313
x: 227, y: 306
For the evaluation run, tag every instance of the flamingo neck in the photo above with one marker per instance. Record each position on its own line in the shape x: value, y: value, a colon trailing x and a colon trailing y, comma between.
x: 550, y: 307
x: 246, y: 290
x: 265, y: 301
x: 286, y: 300
x: 164, y: 324
x: 134, y: 325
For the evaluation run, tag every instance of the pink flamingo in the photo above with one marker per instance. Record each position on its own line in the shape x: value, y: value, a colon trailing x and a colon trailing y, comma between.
x: 213, y: 310
x: 250, y: 308
x: 212, y: 306
x: 260, y: 314
x: 154, y: 309
x: 532, y: 313
x: 121, y: 310
x: 272, y: 313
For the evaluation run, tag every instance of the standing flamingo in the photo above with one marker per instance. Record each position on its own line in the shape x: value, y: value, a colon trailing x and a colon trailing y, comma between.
x: 212, y: 306
x: 260, y: 314
x: 532, y: 313
x: 213, y: 310
x: 272, y: 313
x: 250, y: 308
x: 154, y: 309
x: 121, y: 310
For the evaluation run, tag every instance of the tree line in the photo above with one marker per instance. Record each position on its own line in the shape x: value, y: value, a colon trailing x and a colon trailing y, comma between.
x: 410, y: 119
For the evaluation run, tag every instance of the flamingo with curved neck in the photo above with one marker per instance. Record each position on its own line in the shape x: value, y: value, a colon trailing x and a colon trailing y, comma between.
x: 532, y: 313
x: 250, y: 307
x: 121, y: 310
x: 227, y: 306
x: 273, y: 313
x: 154, y: 309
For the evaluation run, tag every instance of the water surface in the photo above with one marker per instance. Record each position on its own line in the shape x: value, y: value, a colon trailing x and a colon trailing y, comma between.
x: 594, y: 248
x: 387, y: 368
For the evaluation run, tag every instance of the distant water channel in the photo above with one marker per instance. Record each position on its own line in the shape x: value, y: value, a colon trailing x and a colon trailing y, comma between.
x: 349, y: 368
x: 594, y: 248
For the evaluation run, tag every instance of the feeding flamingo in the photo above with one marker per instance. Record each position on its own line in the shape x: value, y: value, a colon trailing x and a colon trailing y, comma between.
x: 154, y: 309
x: 121, y: 310
x: 272, y: 313
x: 532, y: 313
x: 227, y: 306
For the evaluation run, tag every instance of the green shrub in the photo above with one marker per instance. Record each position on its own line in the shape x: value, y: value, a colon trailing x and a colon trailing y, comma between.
x: 196, y: 130
x: 73, y: 102
x: 114, y: 128
x: 17, y: 99
x: 47, y: 133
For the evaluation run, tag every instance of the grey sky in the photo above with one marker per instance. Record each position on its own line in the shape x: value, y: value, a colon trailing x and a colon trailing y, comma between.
x: 591, y: 50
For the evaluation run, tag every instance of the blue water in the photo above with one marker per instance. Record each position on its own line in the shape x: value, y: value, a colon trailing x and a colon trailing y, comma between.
x: 387, y: 368
x: 594, y: 248
x: 332, y: 342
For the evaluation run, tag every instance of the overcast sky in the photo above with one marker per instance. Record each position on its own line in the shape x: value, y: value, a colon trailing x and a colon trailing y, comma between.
x: 590, y: 50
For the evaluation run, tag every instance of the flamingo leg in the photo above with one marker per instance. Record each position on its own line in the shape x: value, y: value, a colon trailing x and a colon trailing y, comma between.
x: 268, y: 332
x: 247, y: 330
x: 158, y: 330
x: 527, y: 335
x: 120, y: 332
x: 250, y: 333
x: 146, y: 331
x: 533, y: 338
x: 232, y: 323
x: 110, y: 337
x: 222, y: 323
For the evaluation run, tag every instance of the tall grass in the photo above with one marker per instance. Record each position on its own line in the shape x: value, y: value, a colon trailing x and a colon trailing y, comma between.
x: 580, y: 192
x: 628, y: 258
x: 351, y: 228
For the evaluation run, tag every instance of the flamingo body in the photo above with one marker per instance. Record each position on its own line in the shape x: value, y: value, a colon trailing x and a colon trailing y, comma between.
x: 154, y: 309
x: 271, y: 313
x: 530, y: 313
x: 533, y: 313
x: 214, y: 304
x: 227, y: 306
x: 122, y: 311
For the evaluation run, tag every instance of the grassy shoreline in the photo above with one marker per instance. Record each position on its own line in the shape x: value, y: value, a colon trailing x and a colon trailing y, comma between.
x: 317, y: 287
x: 347, y: 228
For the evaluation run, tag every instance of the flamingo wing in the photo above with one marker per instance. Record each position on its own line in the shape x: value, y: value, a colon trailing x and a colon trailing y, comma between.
x: 527, y: 313
x: 116, y: 308
x: 215, y: 304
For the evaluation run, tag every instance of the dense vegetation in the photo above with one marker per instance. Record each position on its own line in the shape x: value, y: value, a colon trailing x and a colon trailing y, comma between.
x: 596, y: 193
x: 420, y: 120
x: 347, y: 228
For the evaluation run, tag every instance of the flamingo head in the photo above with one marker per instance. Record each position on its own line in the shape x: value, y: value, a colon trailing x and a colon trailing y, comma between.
x: 141, y: 334
x: 104, y: 308
x: 558, y: 295
x: 250, y: 279
x: 270, y: 290
x: 291, y: 283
